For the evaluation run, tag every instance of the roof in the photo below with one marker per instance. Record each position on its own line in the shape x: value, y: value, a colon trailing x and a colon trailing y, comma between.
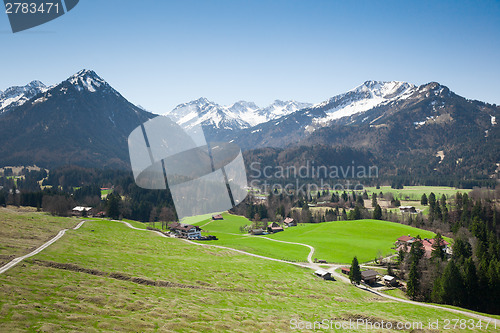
x: 182, y: 226
x: 406, y: 207
x: 217, y: 216
x: 405, y: 238
x: 369, y: 274
x: 321, y: 272
x: 81, y: 208
x: 347, y: 269
x: 388, y: 278
x: 289, y: 220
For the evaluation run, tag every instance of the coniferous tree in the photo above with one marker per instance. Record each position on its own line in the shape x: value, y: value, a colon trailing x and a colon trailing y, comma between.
x: 423, y: 200
x: 374, y: 200
x: 413, y: 283
x: 377, y: 212
x: 355, y: 272
x: 437, y: 250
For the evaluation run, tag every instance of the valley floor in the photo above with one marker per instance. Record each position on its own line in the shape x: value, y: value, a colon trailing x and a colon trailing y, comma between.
x: 106, y: 276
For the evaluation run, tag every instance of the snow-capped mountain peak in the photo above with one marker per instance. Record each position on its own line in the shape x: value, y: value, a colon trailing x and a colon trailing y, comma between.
x: 239, y: 115
x: 87, y: 80
x: 18, y: 95
x: 363, y: 98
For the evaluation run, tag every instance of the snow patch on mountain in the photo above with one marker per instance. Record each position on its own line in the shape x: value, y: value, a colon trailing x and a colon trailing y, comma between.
x: 363, y: 98
x: 239, y: 115
x: 87, y: 80
x: 18, y: 95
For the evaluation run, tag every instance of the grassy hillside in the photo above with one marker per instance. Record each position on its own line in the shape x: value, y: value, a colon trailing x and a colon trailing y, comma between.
x: 107, y: 277
x: 335, y: 242
x: 340, y: 241
x: 22, y: 230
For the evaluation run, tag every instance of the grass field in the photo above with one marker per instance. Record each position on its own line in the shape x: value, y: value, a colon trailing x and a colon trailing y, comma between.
x: 107, y: 277
x: 336, y: 242
x: 23, y: 229
x: 340, y: 241
x: 416, y: 192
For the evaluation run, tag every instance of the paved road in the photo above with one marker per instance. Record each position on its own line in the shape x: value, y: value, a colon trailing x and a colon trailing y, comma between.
x: 38, y: 250
x: 339, y: 276
x: 310, y: 264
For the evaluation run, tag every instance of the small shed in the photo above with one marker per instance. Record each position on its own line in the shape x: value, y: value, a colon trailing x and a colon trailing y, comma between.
x: 345, y: 270
x: 323, y: 274
x: 369, y: 276
x: 217, y: 217
x: 390, y: 280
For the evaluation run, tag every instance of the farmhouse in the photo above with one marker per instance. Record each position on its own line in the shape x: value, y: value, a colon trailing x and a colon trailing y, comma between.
x: 404, y: 243
x: 369, y: 276
x: 345, y: 270
x: 323, y: 274
x: 405, y: 240
x: 217, y: 217
x: 274, y: 227
x: 289, y: 222
x: 185, y: 230
x: 258, y: 231
x: 407, y: 209
x: 80, y: 210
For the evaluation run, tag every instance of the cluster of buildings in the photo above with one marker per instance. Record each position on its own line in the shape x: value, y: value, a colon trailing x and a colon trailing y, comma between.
x: 404, y: 243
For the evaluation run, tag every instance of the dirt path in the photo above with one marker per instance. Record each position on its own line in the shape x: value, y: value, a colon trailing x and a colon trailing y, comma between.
x: 332, y: 269
x: 38, y: 250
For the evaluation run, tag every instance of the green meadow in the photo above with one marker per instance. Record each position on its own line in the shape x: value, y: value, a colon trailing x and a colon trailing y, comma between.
x: 415, y: 192
x: 336, y: 242
x: 108, y: 277
x: 340, y: 241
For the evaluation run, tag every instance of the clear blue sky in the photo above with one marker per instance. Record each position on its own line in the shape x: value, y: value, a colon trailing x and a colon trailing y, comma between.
x: 162, y: 53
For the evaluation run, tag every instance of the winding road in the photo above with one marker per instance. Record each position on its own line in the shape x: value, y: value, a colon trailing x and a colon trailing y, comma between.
x: 332, y: 269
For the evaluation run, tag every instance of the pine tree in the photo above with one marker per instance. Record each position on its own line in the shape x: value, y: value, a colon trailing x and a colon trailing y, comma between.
x: 423, y: 200
x: 355, y: 272
x: 413, y: 283
x: 113, y: 205
x: 453, y: 285
x: 374, y: 200
x: 377, y: 213
x: 471, y: 285
x: 437, y: 250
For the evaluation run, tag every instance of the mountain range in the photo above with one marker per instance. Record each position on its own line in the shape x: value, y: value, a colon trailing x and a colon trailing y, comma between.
x: 81, y: 121
x: 403, y: 127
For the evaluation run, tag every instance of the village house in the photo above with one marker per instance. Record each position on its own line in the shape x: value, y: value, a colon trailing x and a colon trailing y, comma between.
x: 274, y: 227
x: 369, y: 276
x: 407, y: 209
x: 185, y: 230
x: 81, y: 211
x: 405, y: 240
x: 217, y: 217
x: 404, y: 243
x: 345, y: 270
x: 289, y: 222
x: 324, y: 274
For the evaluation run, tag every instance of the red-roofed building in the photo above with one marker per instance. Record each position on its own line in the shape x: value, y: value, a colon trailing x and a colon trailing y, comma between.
x: 404, y: 243
x: 274, y: 227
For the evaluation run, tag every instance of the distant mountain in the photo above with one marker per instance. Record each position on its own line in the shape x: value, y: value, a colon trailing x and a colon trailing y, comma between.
x: 223, y: 121
x: 426, y: 130
x: 295, y: 126
x: 81, y: 121
x: 17, y: 96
